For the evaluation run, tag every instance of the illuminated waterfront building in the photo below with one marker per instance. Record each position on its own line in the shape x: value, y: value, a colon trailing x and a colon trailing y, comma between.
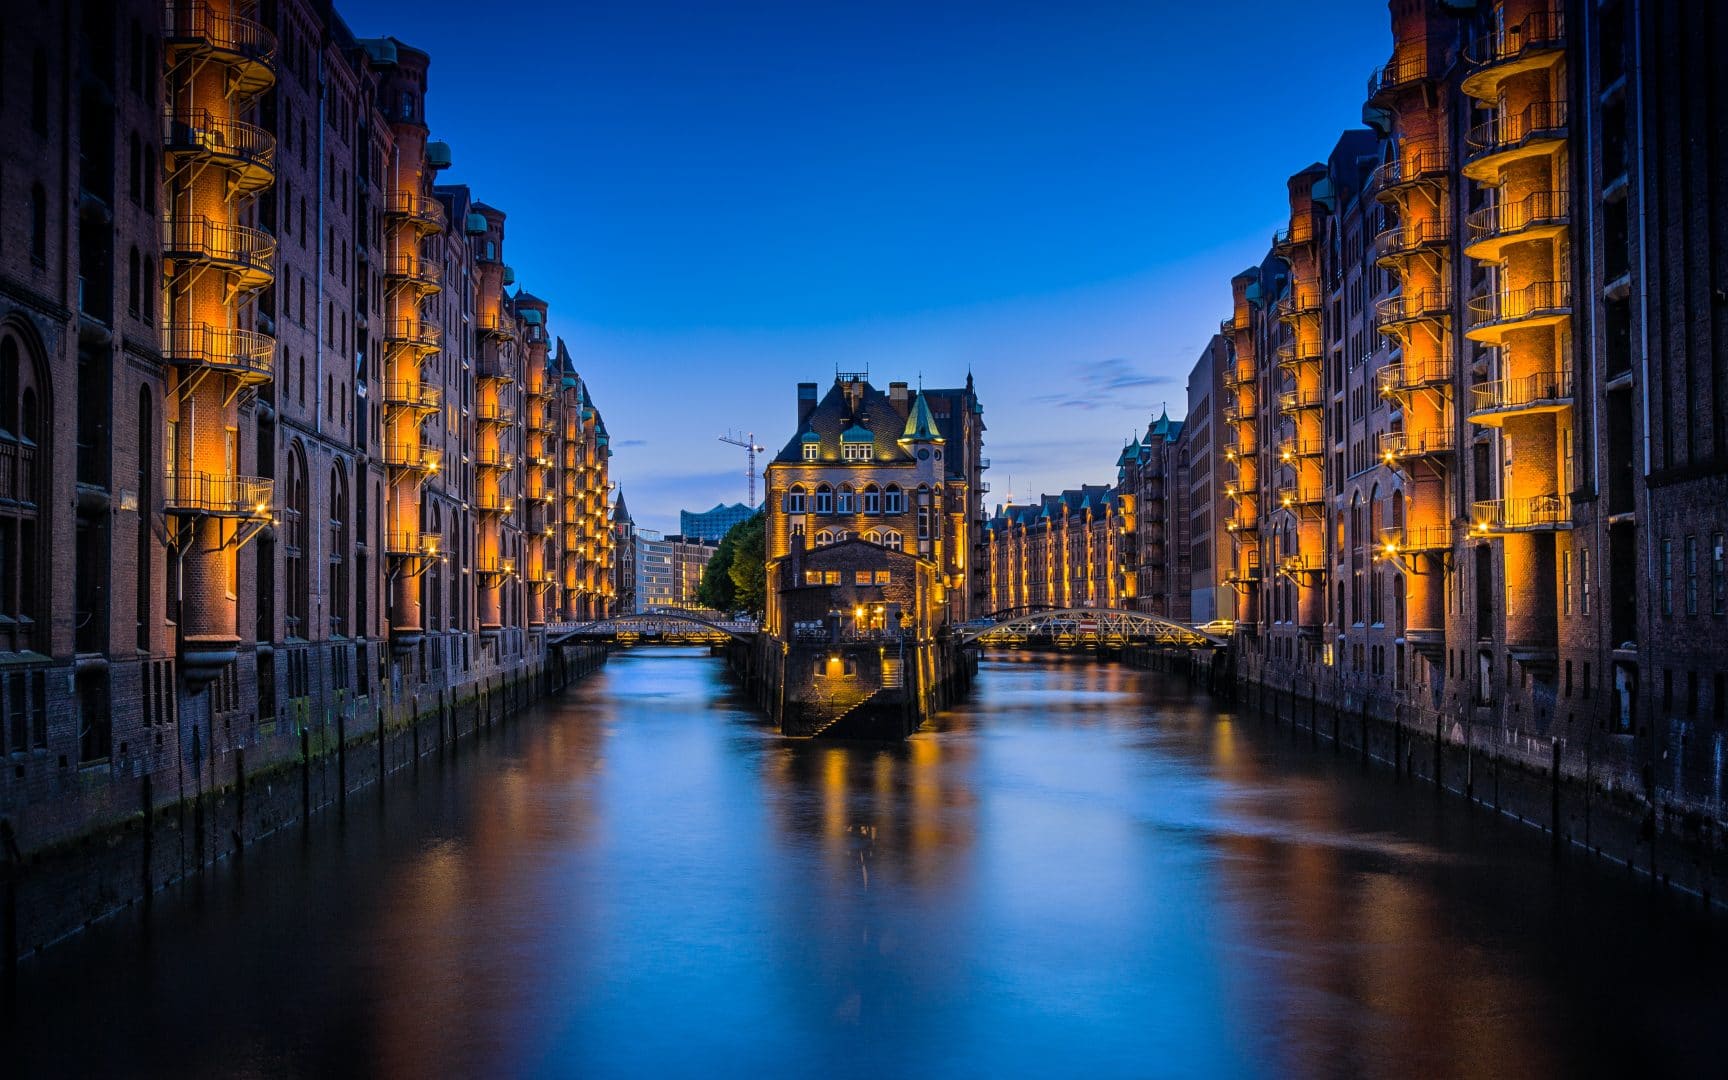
x: 284, y: 441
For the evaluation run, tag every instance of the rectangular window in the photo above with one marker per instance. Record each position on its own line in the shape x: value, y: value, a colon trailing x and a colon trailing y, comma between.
x: 810, y: 450
x: 1667, y: 577
x: 830, y: 577
x: 1565, y: 583
x: 1584, y: 579
x: 1691, y: 575
x: 812, y: 577
x: 861, y: 577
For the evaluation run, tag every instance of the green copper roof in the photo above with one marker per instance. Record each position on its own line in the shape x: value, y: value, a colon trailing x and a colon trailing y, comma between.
x: 920, y: 425
x: 856, y: 433
x: 810, y: 436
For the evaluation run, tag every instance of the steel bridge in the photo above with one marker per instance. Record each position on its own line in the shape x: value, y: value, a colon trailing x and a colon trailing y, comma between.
x: 652, y: 628
x: 1083, y: 627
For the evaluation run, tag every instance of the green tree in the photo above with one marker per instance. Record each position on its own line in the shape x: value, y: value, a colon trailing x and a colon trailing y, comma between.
x: 715, y: 590
x: 749, y: 563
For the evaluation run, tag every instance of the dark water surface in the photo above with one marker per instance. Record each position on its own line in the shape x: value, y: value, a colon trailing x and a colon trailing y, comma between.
x: 1086, y: 870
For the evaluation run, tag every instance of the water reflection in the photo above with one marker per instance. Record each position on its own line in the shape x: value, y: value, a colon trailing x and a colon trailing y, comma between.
x: 1086, y: 869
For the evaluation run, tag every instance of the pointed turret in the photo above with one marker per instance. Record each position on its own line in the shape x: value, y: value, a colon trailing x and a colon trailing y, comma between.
x: 920, y: 425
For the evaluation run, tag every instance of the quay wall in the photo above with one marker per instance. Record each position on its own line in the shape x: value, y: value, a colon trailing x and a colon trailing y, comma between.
x: 63, y: 870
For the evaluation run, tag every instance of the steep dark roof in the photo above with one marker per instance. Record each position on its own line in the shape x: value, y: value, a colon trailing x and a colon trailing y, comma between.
x: 875, y: 413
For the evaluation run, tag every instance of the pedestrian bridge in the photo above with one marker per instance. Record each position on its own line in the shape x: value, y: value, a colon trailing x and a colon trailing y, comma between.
x: 653, y: 628
x: 1083, y: 627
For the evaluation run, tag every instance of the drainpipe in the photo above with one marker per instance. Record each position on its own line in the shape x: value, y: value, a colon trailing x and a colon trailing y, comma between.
x: 323, y: 257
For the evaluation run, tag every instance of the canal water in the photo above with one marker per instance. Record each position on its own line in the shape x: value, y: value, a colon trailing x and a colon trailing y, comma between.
x: 1085, y: 870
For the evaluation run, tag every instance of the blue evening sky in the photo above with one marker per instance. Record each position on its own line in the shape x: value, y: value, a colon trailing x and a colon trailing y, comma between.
x: 719, y: 200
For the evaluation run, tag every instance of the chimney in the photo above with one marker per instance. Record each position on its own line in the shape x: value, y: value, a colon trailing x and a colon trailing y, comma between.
x: 806, y: 402
x: 897, y: 393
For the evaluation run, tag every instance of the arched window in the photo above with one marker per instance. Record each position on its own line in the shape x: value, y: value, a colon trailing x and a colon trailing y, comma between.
x: 1356, y: 520
x: 795, y: 499
x: 873, y: 537
x: 824, y: 499
x: 846, y: 503
x: 1398, y: 510
x: 841, y: 534
x: 824, y: 537
x: 872, y: 499
x: 294, y: 549
x: 340, y: 542
x: 133, y: 281
x: 23, y: 534
x: 1376, y: 512
x: 892, y: 538
x: 895, y: 500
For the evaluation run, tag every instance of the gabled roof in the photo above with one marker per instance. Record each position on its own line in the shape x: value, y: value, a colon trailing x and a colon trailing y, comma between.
x: 835, y: 415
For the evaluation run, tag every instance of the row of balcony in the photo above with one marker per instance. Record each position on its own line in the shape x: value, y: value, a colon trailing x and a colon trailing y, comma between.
x: 1301, y: 398
x: 1409, y: 238
x: 1396, y: 446
x: 414, y: 395
x: 1538, y: 128
x: 423, y: 213
x: 1544, y: 391
x: 424, y: 276
x: 245, y: 354
x: 246, y: 151
x: 1538, y: 513
x: 1299, y: 302
x: 245, y: 48
x: 1416, y: 163
x: 248, y: 255
x: 1535, y: 42
x: 1411, y: 375
x: 1296, y: 353
x: 1493, y: 315
x: 212, y: 495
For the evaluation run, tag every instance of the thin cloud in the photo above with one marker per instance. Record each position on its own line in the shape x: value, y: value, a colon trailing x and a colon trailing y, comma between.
x: 631, y: 442
x: 1098, y: 384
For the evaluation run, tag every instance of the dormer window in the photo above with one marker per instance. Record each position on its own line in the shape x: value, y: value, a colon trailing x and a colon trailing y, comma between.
x: 810, y: 451
x: 857, y: 452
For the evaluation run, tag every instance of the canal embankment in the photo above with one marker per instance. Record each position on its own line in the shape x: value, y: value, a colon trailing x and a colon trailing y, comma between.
x: 51, y: 892
x: 1581, y: 796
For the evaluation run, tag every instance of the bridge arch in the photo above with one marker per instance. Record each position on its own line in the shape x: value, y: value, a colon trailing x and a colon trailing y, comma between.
x: 1085, y: 625
x: 659, y: 627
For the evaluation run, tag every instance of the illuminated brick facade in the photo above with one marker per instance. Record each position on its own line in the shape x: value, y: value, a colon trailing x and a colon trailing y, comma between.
x: 282, y: 454
x: 1473, y: 414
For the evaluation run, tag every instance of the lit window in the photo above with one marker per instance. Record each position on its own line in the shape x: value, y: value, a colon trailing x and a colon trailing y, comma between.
x: 824, y: 537
x: 861, y: 577
x: 824, y: 500
x: 812, y: 577
x: 882, y: 577
x: 892, y: 538
x: 896, y: 500
x: 830, y: 577
x: 845, y: 502
x: 872, y: 500
x: 810, y: 451
x: 873, y: 537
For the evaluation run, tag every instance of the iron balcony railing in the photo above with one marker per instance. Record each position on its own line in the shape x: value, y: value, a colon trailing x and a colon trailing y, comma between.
x: 493, y: 458
x: 1301, y: 493
x: 423, y: 273
x: 1537, y: 32
x: 1241, y: 440
x: 1415, y: 162
x: 197, y: 23
x: 490, y: 365
x: 496, y: 323
x: 1298, y: 302
x: 1416, y: 538
x: 246, y: 147
x: 1539, y: 209
x: 1303, y: 397
x: 423, y: 334
x: 1398, y: 72
x: 494, y: 412
x: 1423, y: 305
x: 1403, y: 444
x: 248, y: 252
x: 1294, y: 353
x: 1299, y: 231
x: 1544, y: 388
x: 1246, y: 572
x: 407, y: 455
x: 1537, y: 121
x: 1239, y: 411
x: 247, y: 353
x: 1409, y: 238
x: 422, y: 211
x: 1414, y: 374
x: 494, y: 567
x: 412, y: 544
x: 493, y: 502
x: 1291, y: 449
x: 1240, y: 524
x: 1533, y: 512
x: 424, y: 397
x: 1539, y: 300
x: 218, y: 496
x: 1302, y: 563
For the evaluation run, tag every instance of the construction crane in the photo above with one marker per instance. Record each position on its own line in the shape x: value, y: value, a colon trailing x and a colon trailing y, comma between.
x: 748, y: 442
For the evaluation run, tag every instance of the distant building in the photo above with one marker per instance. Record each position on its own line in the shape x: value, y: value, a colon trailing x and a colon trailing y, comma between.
x: 669, y: 569
x: 712, y: 524
x: 1209, y: 546
x: 624, y: 569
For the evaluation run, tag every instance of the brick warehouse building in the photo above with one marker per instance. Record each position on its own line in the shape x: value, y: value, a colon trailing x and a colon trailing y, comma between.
x: 1475, y: 417
x: 307, y: 465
